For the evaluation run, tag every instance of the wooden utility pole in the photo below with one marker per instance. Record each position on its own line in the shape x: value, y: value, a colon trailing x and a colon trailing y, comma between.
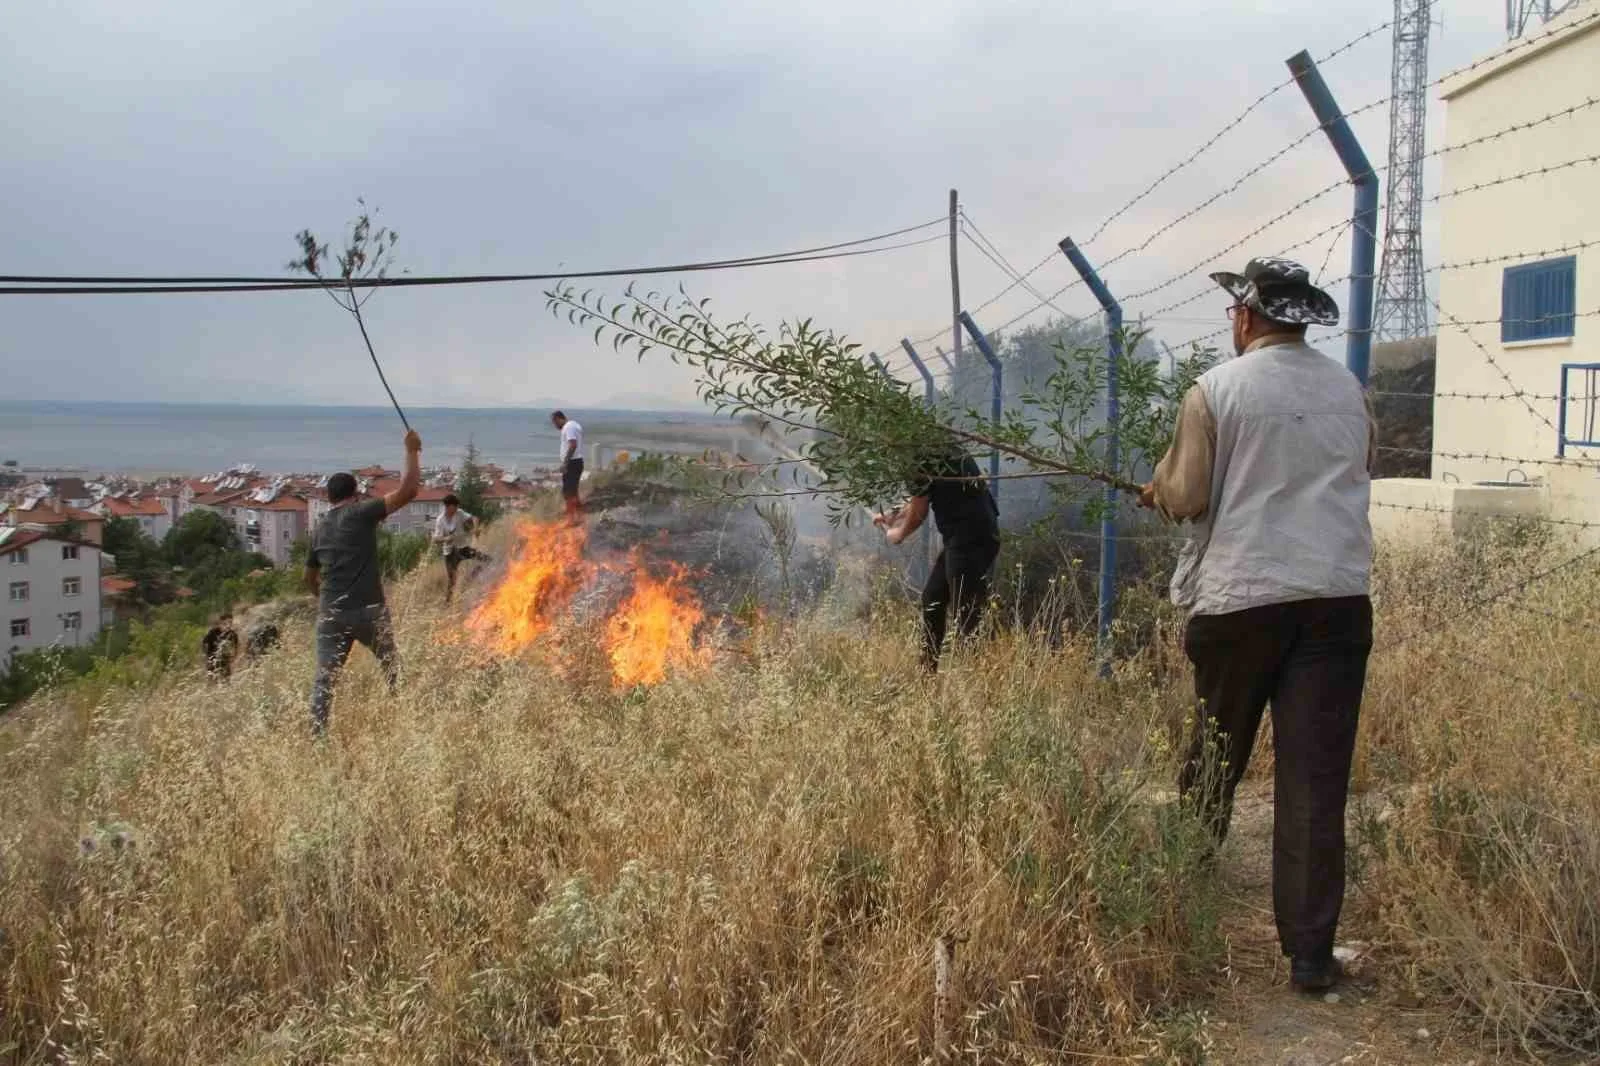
x: 955, y: 281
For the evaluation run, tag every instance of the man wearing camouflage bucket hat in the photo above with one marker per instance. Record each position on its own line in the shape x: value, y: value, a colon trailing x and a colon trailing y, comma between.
x: 1271, y: 463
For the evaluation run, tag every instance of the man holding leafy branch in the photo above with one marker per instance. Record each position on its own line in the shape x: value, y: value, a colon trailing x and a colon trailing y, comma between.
x: 1271, y: 464
x: 949, y: 484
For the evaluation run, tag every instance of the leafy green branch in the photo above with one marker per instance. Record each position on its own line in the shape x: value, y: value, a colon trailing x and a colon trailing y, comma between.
x: 869, y: 436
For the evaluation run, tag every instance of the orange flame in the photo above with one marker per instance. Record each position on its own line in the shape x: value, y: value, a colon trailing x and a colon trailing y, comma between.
x: 653, y: 630
x: 547, y: 570
x: 650, y: 633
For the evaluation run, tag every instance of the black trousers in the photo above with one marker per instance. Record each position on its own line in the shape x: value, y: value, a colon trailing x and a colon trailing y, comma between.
x: 1308, y: 659
x: 959, y: 580
x: 571, y: 474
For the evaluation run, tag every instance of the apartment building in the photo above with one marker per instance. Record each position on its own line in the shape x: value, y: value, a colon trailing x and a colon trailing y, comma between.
x: 149, y: 512
x: 270, y: 521
x: 52, y: 591
x: 39, y: 513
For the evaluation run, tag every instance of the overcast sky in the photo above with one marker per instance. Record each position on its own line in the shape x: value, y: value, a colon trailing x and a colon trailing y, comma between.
x: 197, y: 137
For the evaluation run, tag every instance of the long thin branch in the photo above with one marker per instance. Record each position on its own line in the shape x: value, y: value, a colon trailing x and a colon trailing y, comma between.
x: 355, y: 309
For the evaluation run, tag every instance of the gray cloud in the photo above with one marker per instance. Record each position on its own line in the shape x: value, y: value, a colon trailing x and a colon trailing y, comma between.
x: 198, y: 138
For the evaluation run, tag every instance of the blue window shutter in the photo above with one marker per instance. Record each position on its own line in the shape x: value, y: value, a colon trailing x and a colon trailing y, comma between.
x: 1538, y: 300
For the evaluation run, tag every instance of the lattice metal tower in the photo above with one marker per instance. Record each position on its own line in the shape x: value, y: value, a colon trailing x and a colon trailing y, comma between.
x: 1521, y: 12
x: 1401, y: 310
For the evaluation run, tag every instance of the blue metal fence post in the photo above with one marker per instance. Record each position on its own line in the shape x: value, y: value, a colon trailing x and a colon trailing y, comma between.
x: 945, y: 359
x: 994, y: 401
x: 882, y: 369
x: 1561, y: 415
x: 928, y: 393
x: 1364, y: 239
x: 1108, y: 519
x: 922, y: 368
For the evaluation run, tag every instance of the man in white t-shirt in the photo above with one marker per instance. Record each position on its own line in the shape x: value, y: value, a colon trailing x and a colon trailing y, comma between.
x: 571, y: 462
x: 451, y: 531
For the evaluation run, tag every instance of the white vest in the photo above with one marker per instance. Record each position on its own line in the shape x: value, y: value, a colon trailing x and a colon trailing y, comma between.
x: 1288, y: 517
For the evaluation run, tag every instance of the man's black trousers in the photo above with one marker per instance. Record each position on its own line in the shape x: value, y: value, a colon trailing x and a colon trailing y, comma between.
x: 959, y: 583
x: 1308, y: 659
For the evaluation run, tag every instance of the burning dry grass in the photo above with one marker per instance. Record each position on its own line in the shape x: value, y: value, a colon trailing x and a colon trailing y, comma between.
x: 751, y: 863
x: 653, y: 625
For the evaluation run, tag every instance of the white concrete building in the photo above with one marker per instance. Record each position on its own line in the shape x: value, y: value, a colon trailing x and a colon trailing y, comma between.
x: 52, y: 591
x: 419, y: 515
x: 1519, y: 292
x: 271, y: 525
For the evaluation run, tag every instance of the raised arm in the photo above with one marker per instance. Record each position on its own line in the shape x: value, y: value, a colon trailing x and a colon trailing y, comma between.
x: 412, y: 478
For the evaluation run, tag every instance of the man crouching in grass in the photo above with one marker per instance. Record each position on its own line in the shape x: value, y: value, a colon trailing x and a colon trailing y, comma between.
x: 342, y: 570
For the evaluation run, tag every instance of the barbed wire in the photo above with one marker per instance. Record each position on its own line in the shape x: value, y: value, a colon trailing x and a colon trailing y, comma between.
x: 1514, y: 516
x: 1489, y: 396
x: 1466, y: 331
x: 1489, y: 260
x: 978, y: 240
x: 1302, y: 204
x: 1487, y: 457
x: 1535, y: 320
x: 1515, y: 46
x: 1437, y: 624
x: 1507, y: 179
x: 1241, y: 242
x: 1019, y: 475
x: 1545, y: 612
x: 1172, y: 171
x: 1514, y: 128
x: 1190, y: 159
x: 1527, y: 682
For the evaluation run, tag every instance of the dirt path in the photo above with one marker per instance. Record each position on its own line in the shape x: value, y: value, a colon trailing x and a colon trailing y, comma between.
x: 1370, y: 1021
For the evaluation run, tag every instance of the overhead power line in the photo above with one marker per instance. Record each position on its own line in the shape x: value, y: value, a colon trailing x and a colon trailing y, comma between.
x: 16, y: 284
x: 989, y: 251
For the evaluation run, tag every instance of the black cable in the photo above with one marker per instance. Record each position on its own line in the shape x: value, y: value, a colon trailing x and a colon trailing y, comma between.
x: 482, y: 279
x: 252, y: 284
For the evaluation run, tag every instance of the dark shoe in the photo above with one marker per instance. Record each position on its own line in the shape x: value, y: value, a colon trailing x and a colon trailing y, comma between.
x: 1315, y: 973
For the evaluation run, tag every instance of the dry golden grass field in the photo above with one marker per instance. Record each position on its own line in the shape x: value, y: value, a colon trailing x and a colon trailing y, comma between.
x: 517, y: 861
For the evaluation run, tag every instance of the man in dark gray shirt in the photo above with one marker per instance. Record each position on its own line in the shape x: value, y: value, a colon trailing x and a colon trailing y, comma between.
x: 342, y: 570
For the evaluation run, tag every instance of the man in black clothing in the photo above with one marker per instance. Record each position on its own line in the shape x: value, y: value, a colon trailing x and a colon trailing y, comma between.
x: 220, y: 646
x: 953, y: 488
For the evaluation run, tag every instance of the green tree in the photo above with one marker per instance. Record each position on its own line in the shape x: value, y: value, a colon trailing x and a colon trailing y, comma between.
x: 139, y: 559
x: 399, y: 553
x: 472, y: 487
x: 198, y: 536
x: 207, y: 548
